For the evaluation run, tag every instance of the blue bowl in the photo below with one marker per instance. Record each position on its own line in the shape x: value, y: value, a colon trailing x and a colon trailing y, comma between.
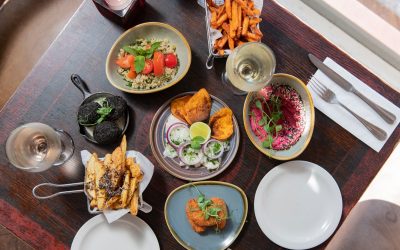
x: 182, y: 231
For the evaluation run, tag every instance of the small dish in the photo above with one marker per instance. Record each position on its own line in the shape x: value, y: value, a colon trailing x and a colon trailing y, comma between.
x: 157, y: 143
x: 127, y: 231
x: 296, y: 149
x: 148, y: 30
x: 175, y: 216
x: 298, y: 205
x: 87, y: 131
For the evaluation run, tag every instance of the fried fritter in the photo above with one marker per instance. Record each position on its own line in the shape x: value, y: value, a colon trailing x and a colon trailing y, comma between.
x: 178, y: 107
x: 197, y: 217
x: 192, y: 209
x: 198, y: 107
x: 221, y: 124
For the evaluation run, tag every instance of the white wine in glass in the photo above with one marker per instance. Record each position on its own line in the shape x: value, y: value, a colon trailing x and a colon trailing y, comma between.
x: 249, y: 68
x: 35, y: 147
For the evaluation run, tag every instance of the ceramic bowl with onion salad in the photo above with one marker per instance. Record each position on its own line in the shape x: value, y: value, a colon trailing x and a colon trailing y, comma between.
x: 279, y: 119
x: 187, y: 155
x: 147, y: 58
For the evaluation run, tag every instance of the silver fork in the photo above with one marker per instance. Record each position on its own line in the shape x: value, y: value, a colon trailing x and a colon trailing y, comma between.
x: 330, y: 97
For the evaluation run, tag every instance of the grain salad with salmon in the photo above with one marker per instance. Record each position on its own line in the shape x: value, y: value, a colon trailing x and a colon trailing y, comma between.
x: 148, y: 63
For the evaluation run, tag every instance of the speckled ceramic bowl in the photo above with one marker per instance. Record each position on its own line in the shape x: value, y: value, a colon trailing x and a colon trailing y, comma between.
x: 149, y: 30
x: 296, y: 149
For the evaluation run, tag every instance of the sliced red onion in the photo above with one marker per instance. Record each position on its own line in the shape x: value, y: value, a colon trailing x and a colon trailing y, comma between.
x: 173, y: 126
x: 182, y: 158
x: 204, y: 148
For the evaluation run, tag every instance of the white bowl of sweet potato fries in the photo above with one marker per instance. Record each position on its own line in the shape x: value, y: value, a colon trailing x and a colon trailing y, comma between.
x: 231, y: 23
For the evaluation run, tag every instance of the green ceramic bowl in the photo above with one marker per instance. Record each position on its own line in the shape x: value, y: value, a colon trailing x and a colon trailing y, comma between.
x: 149, y: 30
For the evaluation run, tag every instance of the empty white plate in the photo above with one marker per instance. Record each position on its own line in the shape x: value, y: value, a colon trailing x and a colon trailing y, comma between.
x: 298, y: 205
x: 128, y: 232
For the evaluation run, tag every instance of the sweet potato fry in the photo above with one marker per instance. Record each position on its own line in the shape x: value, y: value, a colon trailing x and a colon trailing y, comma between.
x: 213, y: 17
x: 222, y: 41
x: 221, y: 52
x: 234, y: 21
x: 250, y: 4
x: 225, y: 27
x: 250, y: 39
x: 256, y: 12
x: 244, y: 6
x: 231, y: 43
x: 220, y: 11
x: 239, y: 17
x: 255, y: 21
x: 239, y: 42
x: 245, y: 25
x: 228, y: 8
x: 222, y: 19
x: 253, y: 36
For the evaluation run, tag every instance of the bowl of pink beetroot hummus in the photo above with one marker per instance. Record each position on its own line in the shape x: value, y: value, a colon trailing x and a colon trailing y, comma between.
x: 279, y: 119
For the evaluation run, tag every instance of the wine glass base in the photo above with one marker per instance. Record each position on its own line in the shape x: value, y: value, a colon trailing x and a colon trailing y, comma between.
x: 230, y: 86
x: 67, y: 147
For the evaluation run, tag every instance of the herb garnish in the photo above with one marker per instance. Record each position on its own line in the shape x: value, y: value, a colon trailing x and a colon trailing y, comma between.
x: 141, y: 54
x: 206, y: 206
x: 139, y: 63
x: 196, y: 142
x: 270, y: 119
x: 104, y: 111
x: 216, y: 148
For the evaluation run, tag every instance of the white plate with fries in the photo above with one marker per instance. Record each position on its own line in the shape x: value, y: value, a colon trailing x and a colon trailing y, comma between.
x: 113, y: 184
x: 231, y: 23
x: 126, y: 233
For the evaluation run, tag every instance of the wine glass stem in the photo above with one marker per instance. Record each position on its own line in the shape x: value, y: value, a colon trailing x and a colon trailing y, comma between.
x: 228, y: 83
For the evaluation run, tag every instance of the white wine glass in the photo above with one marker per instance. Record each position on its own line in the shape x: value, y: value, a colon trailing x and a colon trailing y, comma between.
x: 249, y: 67
x: 35, y: 147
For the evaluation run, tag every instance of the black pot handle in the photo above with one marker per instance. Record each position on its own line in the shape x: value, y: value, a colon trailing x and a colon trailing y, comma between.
x: 81, y: 85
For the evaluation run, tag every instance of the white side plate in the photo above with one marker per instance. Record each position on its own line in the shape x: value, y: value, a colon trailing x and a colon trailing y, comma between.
x: 298, y: 205
x: 128, y: 232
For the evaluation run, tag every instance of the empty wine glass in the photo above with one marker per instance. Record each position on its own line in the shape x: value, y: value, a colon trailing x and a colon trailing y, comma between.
x: 249, y: 68
x: 35, y: 147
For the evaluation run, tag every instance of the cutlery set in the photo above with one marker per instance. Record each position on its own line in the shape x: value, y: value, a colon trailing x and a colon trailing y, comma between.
x: 330, y: 97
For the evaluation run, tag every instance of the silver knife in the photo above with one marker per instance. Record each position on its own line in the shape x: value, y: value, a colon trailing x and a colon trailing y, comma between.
x: 344, y: 84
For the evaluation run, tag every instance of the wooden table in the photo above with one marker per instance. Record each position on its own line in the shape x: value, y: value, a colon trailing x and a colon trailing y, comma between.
x: 48, y: 96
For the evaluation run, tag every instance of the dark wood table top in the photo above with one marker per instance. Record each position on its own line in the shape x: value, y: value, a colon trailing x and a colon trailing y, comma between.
x: 47, y: 95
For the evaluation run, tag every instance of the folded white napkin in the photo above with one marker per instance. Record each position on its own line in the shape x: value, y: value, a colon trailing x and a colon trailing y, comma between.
x: 145, y: 165
x: 354, y: 103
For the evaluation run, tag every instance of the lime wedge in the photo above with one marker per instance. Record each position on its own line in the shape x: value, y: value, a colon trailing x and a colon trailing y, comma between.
x: 200, y: 129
